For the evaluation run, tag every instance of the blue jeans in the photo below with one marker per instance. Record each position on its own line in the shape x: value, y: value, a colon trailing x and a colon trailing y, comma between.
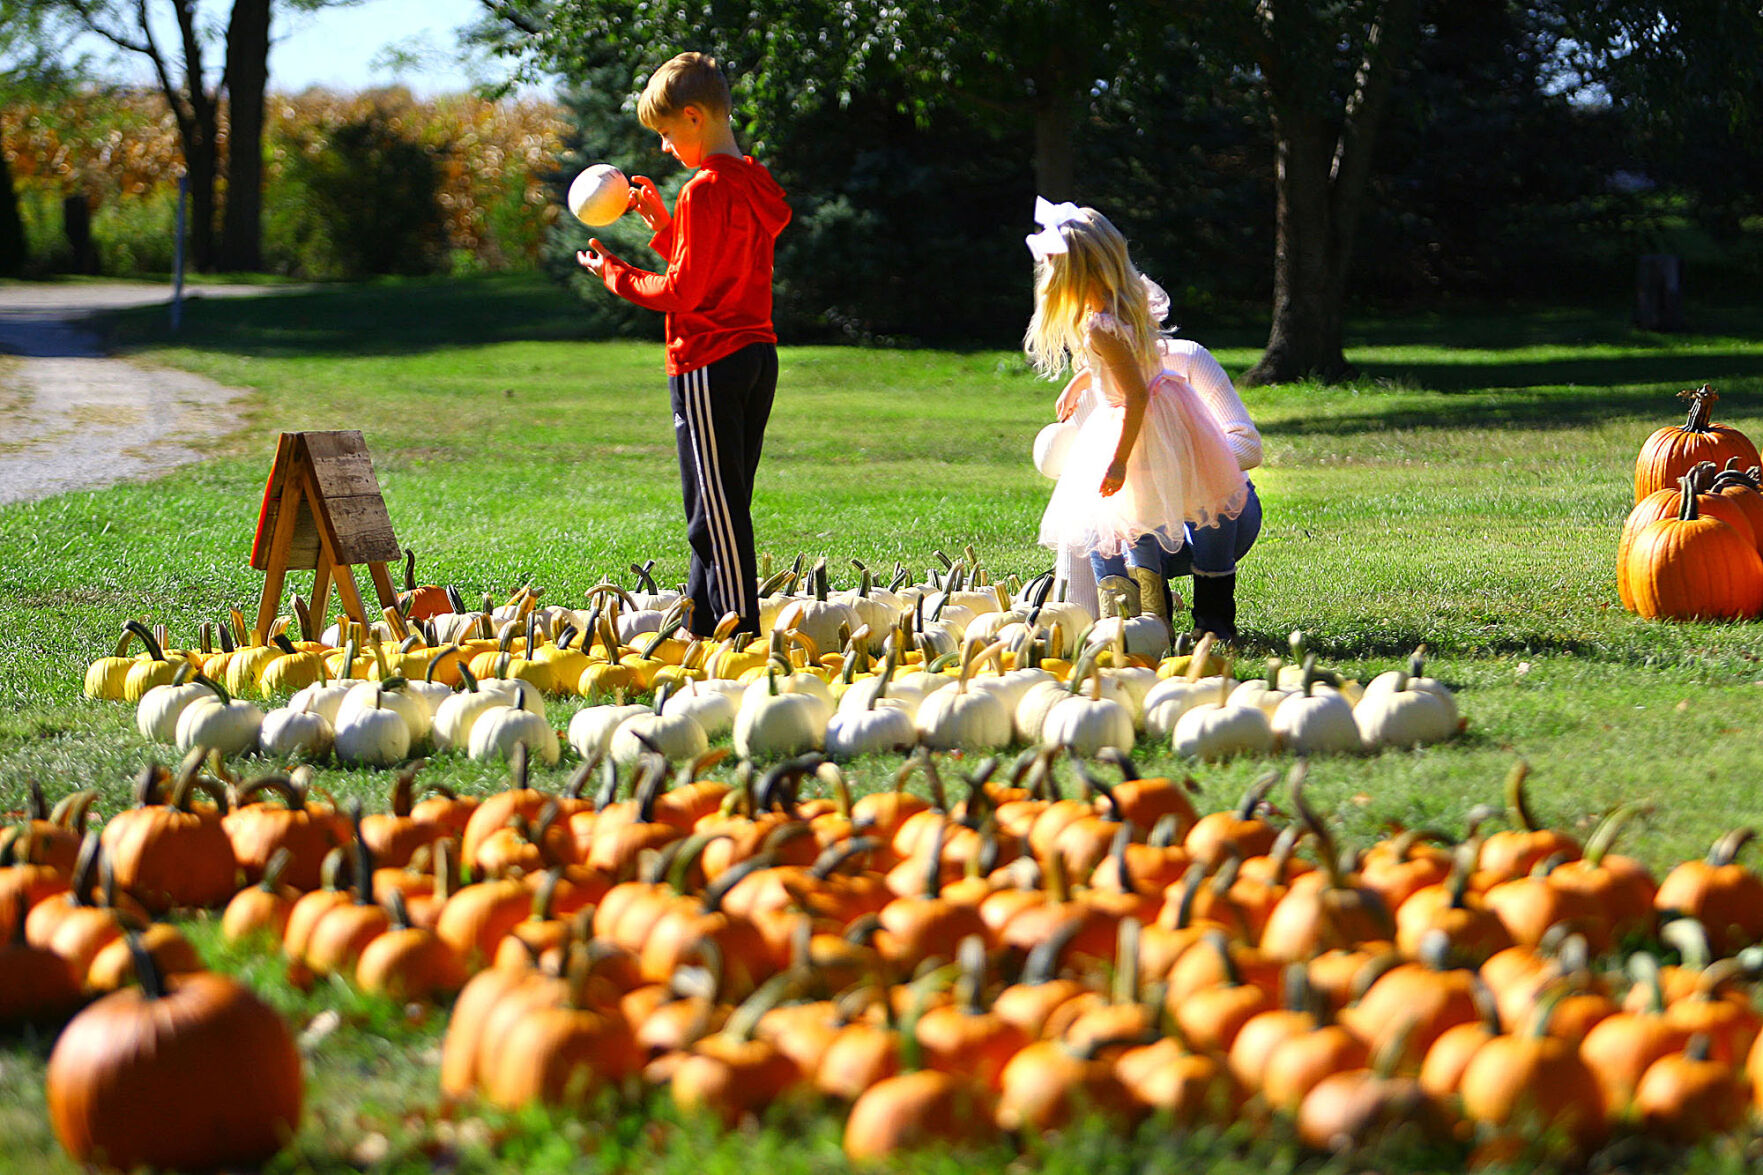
x: 1210, y: 551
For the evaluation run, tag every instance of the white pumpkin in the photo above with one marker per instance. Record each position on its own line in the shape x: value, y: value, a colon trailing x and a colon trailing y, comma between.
x: 1413, y: 679
x: 591, y: 730
x: 809, y: 685
x: 1316, y: 722
x: 429, y: 692
x: 874, y: 606
x: 712, y: 709
x: 875, y: 728
x: 1171, y: 697
x: 1141, y: 636
x: 219, y: 722
x: 388, y: 695
x: 1072, y: 620
x: 1403, y: 717
x: 1011, y: 685
x: 324, y: 698
x: 1085, y: 725
x: 1218, y: 730
x: 372, y: 735
x: 156, y: 715
x: 295, y: 731
x: 1291, y: 675
x: 675, y: 736
x: 511, y: 689
x: 776, y: 724
x: 819, y: 619
x: 457, y: 713
x: 1030, y: 716
x: 965, y: 719
x: 497, y: 732
x: 1265, y: 692
x: 1130, y: 684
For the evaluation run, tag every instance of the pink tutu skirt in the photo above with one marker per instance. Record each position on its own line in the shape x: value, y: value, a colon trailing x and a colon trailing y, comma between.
x: 1180, y: 471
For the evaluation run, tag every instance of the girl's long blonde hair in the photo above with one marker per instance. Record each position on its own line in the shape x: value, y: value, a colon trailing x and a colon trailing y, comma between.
x: 1094, y: 265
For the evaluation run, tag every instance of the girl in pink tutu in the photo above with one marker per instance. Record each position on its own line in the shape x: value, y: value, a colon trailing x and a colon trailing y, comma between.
x: 1150, y: 462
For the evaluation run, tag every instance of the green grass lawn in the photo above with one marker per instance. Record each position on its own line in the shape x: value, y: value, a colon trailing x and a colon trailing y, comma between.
x: 1465, y: 491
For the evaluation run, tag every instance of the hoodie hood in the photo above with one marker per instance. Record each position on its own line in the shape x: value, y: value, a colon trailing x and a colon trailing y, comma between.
x: 753, y: 183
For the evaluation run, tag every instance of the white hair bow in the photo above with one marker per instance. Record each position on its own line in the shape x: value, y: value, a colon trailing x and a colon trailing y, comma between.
x: 1050, y: 216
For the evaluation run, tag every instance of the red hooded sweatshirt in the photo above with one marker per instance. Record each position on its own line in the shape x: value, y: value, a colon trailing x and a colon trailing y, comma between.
x: 717, y: 288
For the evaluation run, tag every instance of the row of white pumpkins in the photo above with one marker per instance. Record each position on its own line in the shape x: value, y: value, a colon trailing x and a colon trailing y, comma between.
x: 1205, y: 717
x: 372, y: 723
x: 378, y: 723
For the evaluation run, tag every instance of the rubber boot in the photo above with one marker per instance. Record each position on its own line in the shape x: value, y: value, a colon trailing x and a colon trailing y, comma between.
x: 1111, y: 586
x: 1215, y: 606
x: 1153, y: 593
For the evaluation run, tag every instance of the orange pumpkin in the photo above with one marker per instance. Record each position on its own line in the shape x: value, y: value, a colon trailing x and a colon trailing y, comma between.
x: 1744, y: 489
x: 190, y: 1071
x: 1694, y: 567
x: 176, y: 853
x: 1670, y: 452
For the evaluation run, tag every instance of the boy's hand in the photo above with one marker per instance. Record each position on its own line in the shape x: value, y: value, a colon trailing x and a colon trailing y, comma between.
x: 1113, y: 479
x: 593, y: 258
x: 646, y: 200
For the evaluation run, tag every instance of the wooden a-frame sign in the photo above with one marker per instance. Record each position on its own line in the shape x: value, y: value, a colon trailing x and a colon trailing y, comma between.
x: 323, y: 511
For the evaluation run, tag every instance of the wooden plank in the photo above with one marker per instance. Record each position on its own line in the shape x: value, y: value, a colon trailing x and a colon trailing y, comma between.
x: 382, y: 584
x: 272, y: 494
x: 341, y: 464
x: 303, y: 549
x: 275, y: 572
x: 321, y: 590
x: 347, y: 595
x: 361, y: 530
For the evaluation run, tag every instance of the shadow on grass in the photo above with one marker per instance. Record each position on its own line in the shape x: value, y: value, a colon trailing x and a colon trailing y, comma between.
x: 1519, y: 407
x: 392, y: 317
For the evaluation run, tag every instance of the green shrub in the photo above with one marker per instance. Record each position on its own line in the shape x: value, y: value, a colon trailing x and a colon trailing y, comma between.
x: 138, y: 235
x: 358, y: 199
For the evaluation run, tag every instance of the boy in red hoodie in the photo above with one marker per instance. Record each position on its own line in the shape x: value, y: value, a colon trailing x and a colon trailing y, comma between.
x: 721, y: 347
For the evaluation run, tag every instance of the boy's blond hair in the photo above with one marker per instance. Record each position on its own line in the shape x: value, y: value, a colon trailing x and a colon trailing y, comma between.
x: 691, y: 79
x: 1095, y: 263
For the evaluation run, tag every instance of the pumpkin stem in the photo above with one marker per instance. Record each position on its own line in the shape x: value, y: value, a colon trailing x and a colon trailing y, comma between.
x: 1516, y: 800
x: 1701, y: 403
x: 147, y: 972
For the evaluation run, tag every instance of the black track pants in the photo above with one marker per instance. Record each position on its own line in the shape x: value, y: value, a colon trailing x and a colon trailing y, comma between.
x: 719, y: 415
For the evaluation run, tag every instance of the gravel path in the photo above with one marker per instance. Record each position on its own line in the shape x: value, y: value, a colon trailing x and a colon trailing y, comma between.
x: 73, y: 419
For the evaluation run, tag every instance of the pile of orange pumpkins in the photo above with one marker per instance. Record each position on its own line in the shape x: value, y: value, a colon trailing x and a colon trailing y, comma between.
x: 1047, y: 938
x: 1692, y: 547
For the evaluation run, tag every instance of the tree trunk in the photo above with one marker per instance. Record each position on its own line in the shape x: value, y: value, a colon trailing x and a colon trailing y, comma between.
x: 202, y: 167
x: 1307, y: 333
x: 1055, y: 114
x: 14, y: 251
x: 246, y: 79
x: 1320, y: 184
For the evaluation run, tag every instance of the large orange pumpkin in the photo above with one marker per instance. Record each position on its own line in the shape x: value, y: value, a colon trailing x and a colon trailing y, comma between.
x: 191, y: 1071
x: 1668, y: 454
x: 1727, y: 506
x: 1691, y: 567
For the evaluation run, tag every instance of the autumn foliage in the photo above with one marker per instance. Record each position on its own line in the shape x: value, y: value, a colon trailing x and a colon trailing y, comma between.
x: 490, y: 162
